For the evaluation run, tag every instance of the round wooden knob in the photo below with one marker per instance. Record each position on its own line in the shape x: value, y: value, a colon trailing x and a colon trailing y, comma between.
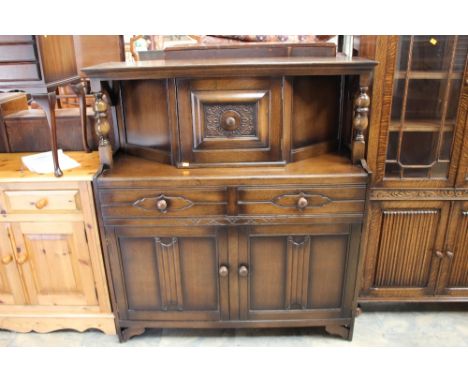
x: 22, y: 259
x: 161, y: 205
x: 223, y: 271
x: 41, y: 203
x: 302, y: 203
x: 230, y: 121
x: 7, y: 259
x: 449, y: 254
x: 243, y: 271
x: 439, y: 254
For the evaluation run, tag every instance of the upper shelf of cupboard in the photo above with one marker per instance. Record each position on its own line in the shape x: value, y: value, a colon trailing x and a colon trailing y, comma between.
x: 231, y: 67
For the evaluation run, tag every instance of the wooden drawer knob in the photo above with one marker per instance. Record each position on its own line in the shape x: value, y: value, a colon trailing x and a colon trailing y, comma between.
x: 161, y: 205
x: 302, y: 203
x: 41, y: 203
x: 243, y: 271
x: 449, y: 254
x: 7, y: 259
x: 439, y: 254
x: 223, y: 271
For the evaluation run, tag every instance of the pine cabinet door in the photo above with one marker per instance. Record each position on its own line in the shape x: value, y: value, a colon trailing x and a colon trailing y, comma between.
x: 297, y: 272
x: 170, y: 273
x: 453, y: 277
x: 55, y: 263
x: 405, y: 249
x: 11, y: 288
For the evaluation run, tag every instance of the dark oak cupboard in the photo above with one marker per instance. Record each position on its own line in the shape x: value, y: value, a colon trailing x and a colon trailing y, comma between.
x: 237, y: 194
x: 417, y: 236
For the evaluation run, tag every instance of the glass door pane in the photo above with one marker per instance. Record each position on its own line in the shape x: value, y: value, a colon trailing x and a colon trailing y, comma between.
x: 427, y: 85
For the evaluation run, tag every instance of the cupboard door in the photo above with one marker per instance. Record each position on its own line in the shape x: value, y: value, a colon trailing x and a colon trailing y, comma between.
x: 404, y: 249
x: 454, y: 270
x: 11, y: 288
x: 55, y: 263
x: 422, y: 126
x: 297, y: 272
x: 170, y: 273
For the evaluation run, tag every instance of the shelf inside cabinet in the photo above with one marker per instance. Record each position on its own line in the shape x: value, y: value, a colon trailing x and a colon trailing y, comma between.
x: 430, y: 75
x: 422, y: 126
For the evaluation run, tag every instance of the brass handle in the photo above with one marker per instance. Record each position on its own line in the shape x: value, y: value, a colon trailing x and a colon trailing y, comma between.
x: 223, y: 271
x: 22, y: 259
x: 7, y: 259
x: 302, y: 203
x: 161, y: 205
x: 243, y: 271
x: 449, y: 254
x: 41, y: 203
x: 439, y: 254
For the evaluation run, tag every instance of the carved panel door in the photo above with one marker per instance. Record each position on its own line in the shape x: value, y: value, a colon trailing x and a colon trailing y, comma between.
x: 11, y: 289
x: 170, y: 273
x: 297, y: 272
x: 55, y: 263
x: 405, y: 248
x: 453, y: 276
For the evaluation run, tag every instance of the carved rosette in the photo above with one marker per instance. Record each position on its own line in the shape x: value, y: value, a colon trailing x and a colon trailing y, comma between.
x: 360, y: 123
x: 102, y: 128
x: 230, y: 120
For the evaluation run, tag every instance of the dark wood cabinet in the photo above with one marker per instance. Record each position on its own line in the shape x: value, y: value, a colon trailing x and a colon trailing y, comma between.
x: 168, y: 273
x: 233, y: 200
x: 418, y: 152
x: 298, y: 272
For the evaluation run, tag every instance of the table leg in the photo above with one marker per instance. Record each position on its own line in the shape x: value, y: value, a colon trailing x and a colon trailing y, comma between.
x: 47, y: 102
x: 79, y: 90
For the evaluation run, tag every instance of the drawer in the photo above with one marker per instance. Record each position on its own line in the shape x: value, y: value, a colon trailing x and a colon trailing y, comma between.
x: 20, y: 52
x: 42, y: 201
x: 163, y: 202
x: 301, y: 200
x: 19, y: 72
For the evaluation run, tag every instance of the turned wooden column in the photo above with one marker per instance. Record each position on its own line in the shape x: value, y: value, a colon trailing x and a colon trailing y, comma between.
x: 360, y: 123
x: 102, y: 128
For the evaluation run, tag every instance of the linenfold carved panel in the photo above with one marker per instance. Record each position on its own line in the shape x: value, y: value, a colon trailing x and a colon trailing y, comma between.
x: 167, y: 253
x: 297, y: 273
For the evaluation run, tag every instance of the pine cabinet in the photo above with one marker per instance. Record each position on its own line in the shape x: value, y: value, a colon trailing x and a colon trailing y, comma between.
x: 51, y: 268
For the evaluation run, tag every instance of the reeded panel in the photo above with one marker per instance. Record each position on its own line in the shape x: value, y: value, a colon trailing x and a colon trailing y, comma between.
x: 459, y: 267
x: 427, y: 85
x: 406, y: 246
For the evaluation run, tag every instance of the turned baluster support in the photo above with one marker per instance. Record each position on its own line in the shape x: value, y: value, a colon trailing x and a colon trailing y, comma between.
x: 360, y: 123
x: 102, y: 128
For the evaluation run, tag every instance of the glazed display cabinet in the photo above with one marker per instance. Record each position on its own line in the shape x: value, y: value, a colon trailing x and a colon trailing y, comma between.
x: 237, y: 194
x: 417, y: 240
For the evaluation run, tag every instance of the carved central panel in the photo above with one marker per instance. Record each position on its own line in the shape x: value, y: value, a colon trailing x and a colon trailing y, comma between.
x: 230, y: 120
